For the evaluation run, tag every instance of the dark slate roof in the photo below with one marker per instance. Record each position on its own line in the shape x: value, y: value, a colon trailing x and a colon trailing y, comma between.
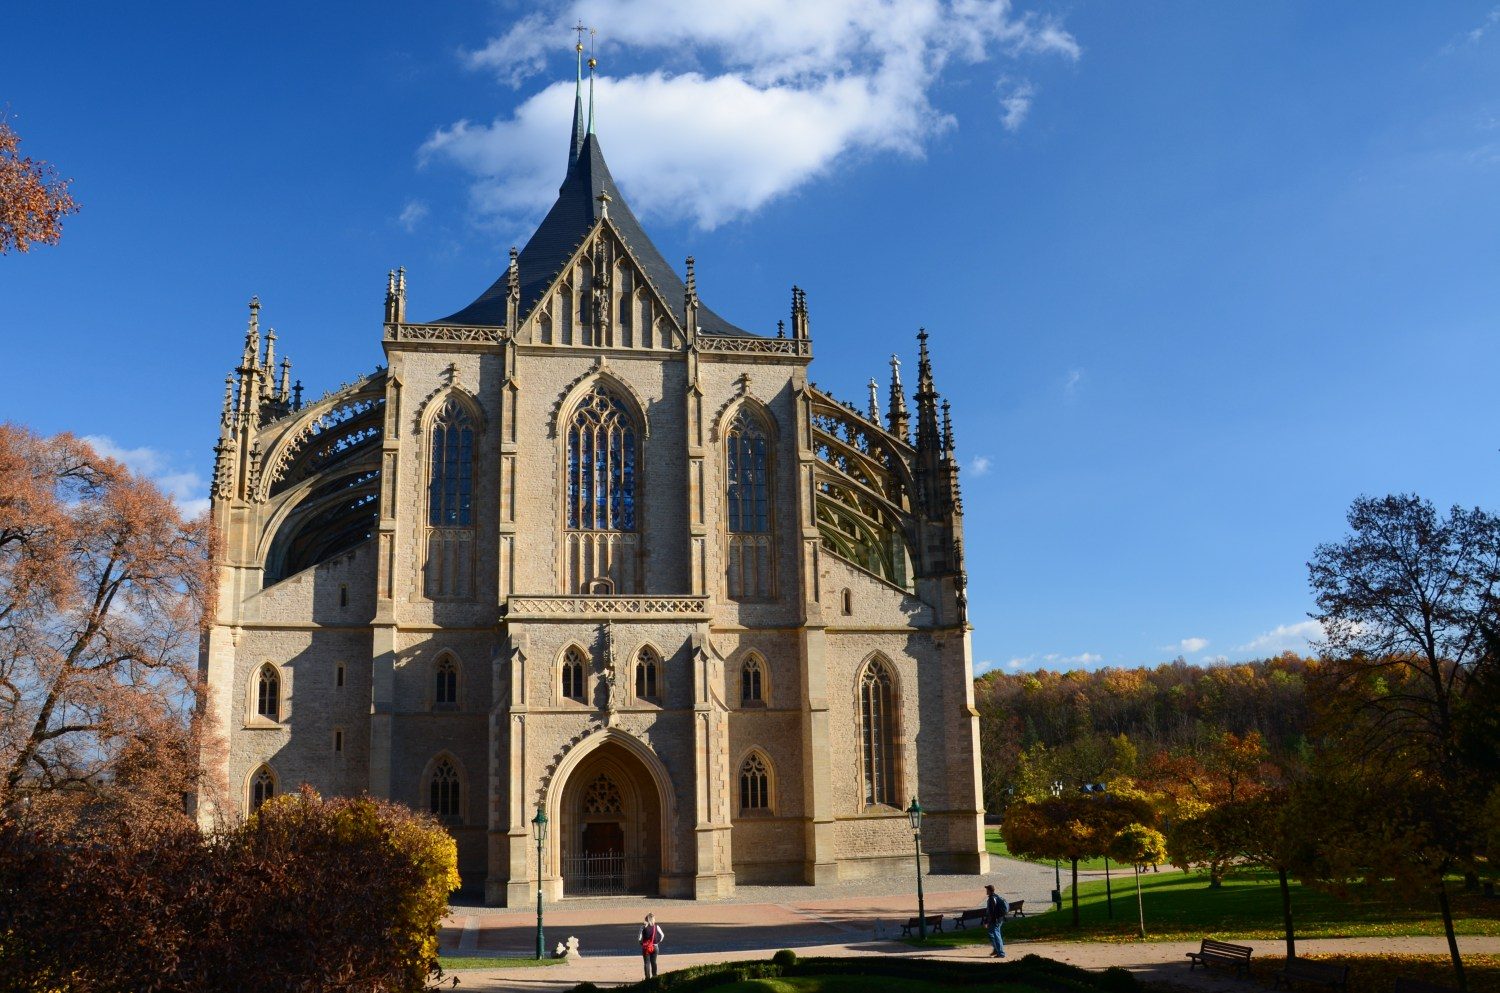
x: 566, y: 224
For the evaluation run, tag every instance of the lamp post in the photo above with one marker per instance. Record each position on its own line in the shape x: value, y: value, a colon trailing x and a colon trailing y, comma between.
x: 1057, y: 788
x: 539, y: 831
x: 915, y: 813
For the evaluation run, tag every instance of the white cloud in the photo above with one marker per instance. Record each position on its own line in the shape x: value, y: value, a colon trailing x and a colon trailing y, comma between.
x: 1192, y: 645
x: 1491, y: 20
x: 770, y: 93
x: 1072, y: 381
x: 1054, y: 660
x: 980, y: 465
x: 413, y: 214
x: 983, y: 666
x: 1015, y: 103
x: 1285, y: 638
x: 186, y: 488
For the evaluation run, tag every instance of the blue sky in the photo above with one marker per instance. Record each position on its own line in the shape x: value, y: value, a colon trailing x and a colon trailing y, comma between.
x: 1196, y: 274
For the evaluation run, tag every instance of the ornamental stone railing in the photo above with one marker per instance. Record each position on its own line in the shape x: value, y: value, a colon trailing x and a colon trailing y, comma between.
x: 659, y: 607
x: 753, y: 345
x: 447, y: 333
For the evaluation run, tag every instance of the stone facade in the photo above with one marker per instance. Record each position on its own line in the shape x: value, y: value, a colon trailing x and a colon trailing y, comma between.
x: 409, y: 566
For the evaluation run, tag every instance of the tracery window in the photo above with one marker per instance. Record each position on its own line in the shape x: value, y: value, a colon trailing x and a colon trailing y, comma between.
x: 603, y: 797
x: 600, y: 491
x: 755, y: 784
x: 445, y: 675
x: 748, y: 499
x: 450, y: 502
x: 752, y: 682
x: 262, y: 787
x: 647, y: 674
x: 572, y: 674
x: 877, y: 728
x: 268, y: 693
x: 443, y: 791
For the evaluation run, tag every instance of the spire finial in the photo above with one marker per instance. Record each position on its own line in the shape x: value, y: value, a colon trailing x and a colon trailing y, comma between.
x: 692, y: 281
x: 874, y: 400
x: 948, y: 448
x: 593, y: 63
x: 897, y: 417
x: 513, y: 273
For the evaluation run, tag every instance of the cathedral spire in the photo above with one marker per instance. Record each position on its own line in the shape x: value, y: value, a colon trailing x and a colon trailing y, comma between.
x: 252, y: 336
x: 897, y: 417
x: 578, y: 132
x: 874, y: 400
x: 593, y: 63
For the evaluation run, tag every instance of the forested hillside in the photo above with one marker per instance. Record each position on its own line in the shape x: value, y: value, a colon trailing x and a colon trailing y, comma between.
x: 1083, y: 727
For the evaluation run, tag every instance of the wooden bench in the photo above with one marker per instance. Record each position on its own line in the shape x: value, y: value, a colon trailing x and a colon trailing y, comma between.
x: 934, y: 923
x: 963, y: 920
x: 1211, y: 952
x: 1405, y: 984
x: 1335, y: 977
x: 1018, y: 909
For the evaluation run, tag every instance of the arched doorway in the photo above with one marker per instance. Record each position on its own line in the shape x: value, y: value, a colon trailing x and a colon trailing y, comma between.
x: 610, y: 825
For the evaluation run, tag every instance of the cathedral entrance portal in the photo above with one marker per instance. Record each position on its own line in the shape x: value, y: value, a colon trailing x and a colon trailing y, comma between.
x: 610, y: 835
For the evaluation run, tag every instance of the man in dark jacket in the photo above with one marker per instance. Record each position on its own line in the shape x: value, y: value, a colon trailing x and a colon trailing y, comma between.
x: 995, y: 909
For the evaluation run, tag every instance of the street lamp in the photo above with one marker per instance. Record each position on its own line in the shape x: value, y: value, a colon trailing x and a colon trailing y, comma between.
x: 1057, y: 788
x: 539, y: 832
x: 915, y: 813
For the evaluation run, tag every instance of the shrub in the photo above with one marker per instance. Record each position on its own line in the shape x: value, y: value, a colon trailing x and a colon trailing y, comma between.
x: 307, y: 895
x: 785, y: 957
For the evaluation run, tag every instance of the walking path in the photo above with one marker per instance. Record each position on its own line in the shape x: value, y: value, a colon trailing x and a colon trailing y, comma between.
x: 851, y: 918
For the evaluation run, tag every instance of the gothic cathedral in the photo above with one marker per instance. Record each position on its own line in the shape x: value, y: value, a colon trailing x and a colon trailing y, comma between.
x: 586, y: 548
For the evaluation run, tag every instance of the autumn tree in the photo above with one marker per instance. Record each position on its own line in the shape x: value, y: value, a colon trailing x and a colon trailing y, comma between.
x: 33, y: 200
x: 1231, y: 770
x: 1405, y: 601
x: 1138, y: 845
x: 101, y: 589
x: 1071, y: 826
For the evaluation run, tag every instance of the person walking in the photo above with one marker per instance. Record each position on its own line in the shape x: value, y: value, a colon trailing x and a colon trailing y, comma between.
x: 995, y: 909
x: 651, y: 939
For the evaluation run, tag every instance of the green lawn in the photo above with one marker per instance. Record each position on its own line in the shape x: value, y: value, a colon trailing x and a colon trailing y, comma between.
x: 452, y: 963
x: 996, y: 846
x: 1181, y: 907
x: 848, y: 984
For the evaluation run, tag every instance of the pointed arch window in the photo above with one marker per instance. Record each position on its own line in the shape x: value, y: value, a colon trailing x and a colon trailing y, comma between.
x: 572, y: 674
x: 748, y: 490
x: 262, y: 787
x: 601, y: 512
x: 450, y: 502
x: 648, y: 675
x: 268, y: 693
x: 443, y: 791
x: 877, y: 728
x: 752, y: 683
x: 445, y: 679
x: 755, y: 785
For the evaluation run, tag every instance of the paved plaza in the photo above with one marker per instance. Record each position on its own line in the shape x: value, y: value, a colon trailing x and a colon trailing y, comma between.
x: 855, y: 918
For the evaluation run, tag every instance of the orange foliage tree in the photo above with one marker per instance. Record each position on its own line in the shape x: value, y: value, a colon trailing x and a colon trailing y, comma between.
x: 33, y: 200
x: 102, y: 585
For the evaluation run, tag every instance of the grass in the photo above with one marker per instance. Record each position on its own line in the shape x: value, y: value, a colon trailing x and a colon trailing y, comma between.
x: 995, y: 845
x: 842, y: 984
x: 1377, y: 973
x: 452, y: 963
x: 1181, y: 907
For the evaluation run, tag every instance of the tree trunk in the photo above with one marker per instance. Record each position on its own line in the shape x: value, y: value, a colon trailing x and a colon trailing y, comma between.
x: 1215, y: 875
x: 1458, y: 963
x: 1109, y: 897
x: 1286, y: 915
x: 1140, y: 908
x: 1075, y: 893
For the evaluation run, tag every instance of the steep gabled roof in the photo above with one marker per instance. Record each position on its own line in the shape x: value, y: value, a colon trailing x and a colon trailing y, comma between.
x: 570, y: 219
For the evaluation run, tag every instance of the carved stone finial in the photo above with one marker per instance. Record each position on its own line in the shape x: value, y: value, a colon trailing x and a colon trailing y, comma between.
x: 744, y: 382
x: 604, y: 199
x: 781, y: 329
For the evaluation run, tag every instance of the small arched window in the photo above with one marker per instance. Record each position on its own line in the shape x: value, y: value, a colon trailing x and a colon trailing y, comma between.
x: 450, y: 503
x: 877, y: 728
x: 445, y: 675
x: 443, y: 791
x: 268, y: 693
x: 648, y: 674
x: 755, y: 785
x: 748, y: 498
x: 752, y: 682
x: 262, y: 787
x: 572, y: 674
